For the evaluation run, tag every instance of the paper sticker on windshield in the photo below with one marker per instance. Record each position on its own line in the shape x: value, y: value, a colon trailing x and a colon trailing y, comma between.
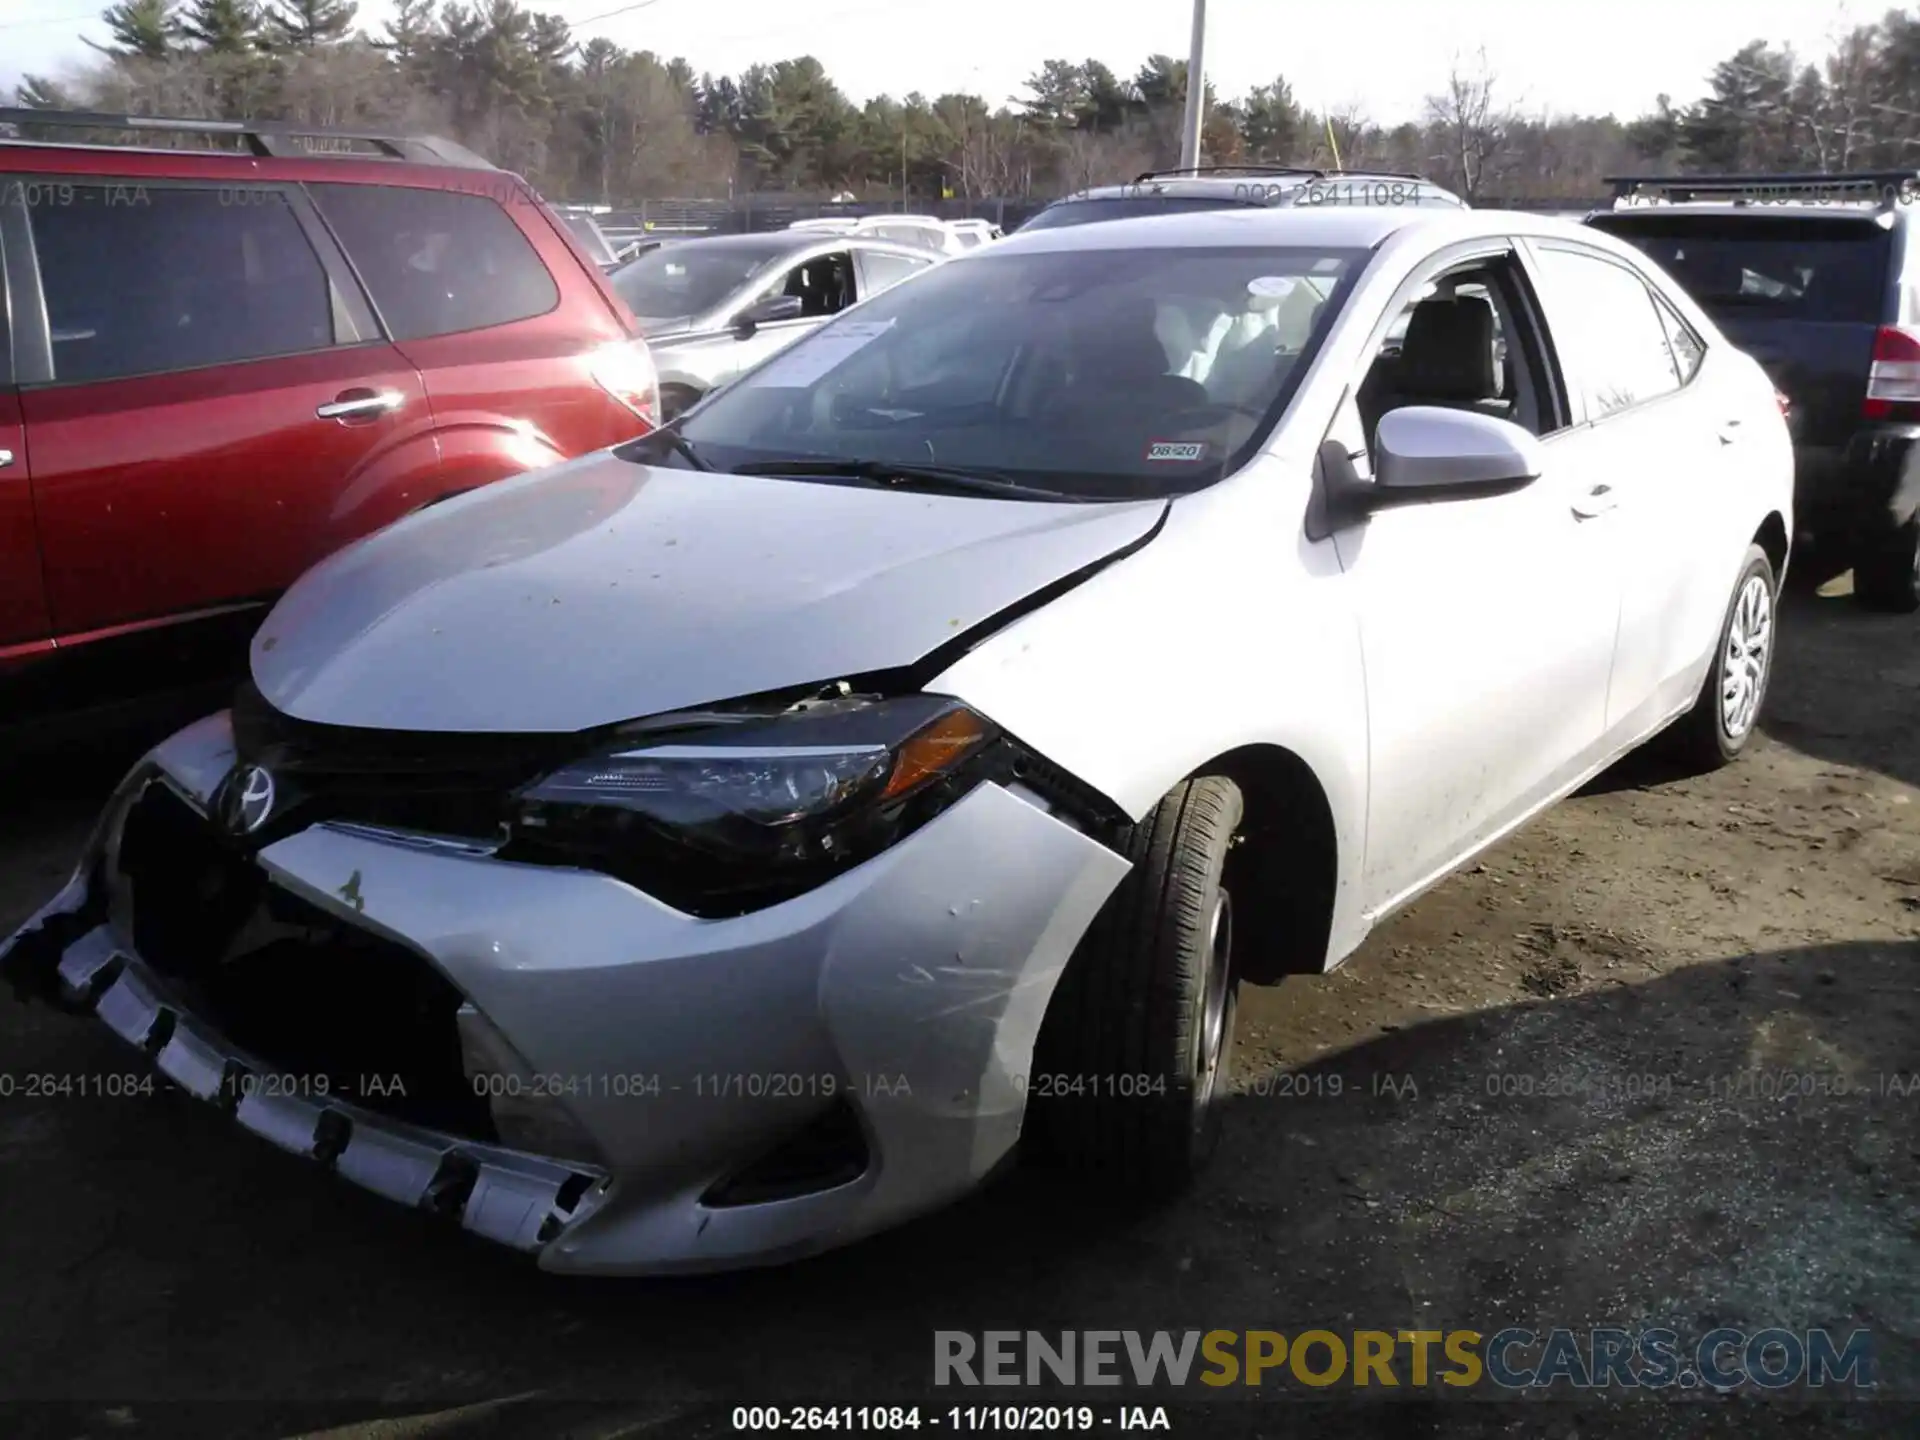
x: 1182, y: 451
x: 820, y: 353
x: 1271, y: 287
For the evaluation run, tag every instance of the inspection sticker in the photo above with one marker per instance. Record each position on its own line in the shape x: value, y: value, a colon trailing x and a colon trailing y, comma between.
x: 819, y: 353
x: 1183, y: 450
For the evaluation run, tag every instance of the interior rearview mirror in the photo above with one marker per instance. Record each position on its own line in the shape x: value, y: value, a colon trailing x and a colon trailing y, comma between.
x: 769, y: 310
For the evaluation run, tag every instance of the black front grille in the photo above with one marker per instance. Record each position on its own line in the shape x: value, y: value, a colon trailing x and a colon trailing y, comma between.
x: 444, y: 783
x: 336, y: 1009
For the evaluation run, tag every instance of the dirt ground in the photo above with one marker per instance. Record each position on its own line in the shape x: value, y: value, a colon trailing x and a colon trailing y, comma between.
x: 1668, y: 957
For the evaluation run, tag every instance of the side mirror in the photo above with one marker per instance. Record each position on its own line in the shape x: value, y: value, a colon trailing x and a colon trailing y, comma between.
x: 1424, y: 454
x: 768, y: 310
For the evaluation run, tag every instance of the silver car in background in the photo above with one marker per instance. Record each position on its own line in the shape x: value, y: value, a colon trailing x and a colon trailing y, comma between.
x: 718, y: 305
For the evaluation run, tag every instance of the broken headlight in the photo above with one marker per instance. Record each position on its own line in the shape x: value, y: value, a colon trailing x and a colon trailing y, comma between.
x: 728, y: 819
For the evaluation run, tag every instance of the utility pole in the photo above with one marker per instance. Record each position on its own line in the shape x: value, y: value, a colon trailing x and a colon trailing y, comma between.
x: 1196, y: 89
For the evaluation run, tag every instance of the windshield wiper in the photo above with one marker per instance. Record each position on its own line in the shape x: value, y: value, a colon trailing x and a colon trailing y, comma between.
x: 674, y: 441
x: 917, y: 477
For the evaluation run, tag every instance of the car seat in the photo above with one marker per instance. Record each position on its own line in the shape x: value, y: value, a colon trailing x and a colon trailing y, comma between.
x: 1116, y: 359
x: 1446, y: 360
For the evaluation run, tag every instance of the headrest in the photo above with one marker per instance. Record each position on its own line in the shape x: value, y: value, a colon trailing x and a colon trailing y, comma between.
x: 1448, y: 352
x: 1121, y: 340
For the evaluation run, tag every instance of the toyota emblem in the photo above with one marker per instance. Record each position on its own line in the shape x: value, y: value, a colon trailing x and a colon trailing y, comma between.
x: 250, y: 801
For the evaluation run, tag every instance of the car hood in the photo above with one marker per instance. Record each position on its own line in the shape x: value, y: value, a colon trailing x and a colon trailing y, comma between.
x: 603, y: 590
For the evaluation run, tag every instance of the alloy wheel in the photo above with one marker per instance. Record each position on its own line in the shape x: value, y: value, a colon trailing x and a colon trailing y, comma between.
x: 1211, y: 1048
x: 1749, y: 651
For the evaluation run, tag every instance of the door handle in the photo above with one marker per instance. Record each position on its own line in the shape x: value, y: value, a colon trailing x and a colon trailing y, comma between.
x: 1597, y: 501
x: 361, y: 404
x: 6, y: 458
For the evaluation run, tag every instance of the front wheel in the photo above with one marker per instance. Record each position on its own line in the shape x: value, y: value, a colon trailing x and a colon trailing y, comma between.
x: 1726, y: 713
x: 1137, y: 1046
x: 1886, y: 577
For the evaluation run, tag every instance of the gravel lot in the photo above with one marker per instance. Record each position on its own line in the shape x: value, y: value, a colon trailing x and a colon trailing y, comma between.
x: 1666, y: 954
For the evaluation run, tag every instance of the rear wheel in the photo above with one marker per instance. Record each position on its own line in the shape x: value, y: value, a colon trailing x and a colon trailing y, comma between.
x: 1886, y: 576
x: 1726, y: 714
x: 1137, y: 1046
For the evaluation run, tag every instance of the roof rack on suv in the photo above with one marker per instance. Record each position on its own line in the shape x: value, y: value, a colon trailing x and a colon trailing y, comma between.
x: 1881, y: 188
x: 1184, y: 171
x: 1305, y: 171
x: 271, y: 139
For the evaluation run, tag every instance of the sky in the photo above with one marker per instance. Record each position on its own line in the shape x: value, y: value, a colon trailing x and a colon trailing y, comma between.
x: 1383, y: 55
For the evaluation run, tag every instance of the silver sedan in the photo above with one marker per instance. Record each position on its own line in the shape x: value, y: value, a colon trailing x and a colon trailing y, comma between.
x: 715, y: 306
x: 718, y: 849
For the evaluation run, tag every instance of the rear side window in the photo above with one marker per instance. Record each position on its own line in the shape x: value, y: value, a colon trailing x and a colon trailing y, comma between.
x: 1688, y: 348
x: 141, y: 279
x: 1604, y: 319
x: 1759, y: 266
x: 435, y: 261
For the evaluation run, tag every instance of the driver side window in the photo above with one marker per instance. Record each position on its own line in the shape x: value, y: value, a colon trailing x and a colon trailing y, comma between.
x: 1457, y: 345
x: 824, y: 285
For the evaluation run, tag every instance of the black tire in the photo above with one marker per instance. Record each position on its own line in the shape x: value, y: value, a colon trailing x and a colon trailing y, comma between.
x: 1886, y: 576
x: 1702, y: 739
x: 1137, y: 1044
x: 676, y: 400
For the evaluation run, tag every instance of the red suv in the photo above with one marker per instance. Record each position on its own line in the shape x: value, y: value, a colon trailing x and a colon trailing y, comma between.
x: 217, y: 367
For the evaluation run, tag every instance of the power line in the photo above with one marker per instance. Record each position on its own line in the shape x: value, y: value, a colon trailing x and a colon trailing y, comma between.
x: 49, y: 20
x: 609, y: 14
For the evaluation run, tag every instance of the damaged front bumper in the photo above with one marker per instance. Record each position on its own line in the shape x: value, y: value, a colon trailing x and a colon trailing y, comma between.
x: 888, y: 1016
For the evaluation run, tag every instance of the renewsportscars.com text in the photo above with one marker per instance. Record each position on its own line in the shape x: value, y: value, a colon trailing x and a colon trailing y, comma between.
x: 1508, y: 1359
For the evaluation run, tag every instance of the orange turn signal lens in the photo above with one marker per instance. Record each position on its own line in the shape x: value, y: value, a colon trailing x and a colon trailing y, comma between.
x: 935, y: 750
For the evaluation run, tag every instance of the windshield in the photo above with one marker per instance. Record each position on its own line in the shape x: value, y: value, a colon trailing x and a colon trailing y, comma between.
x: 1106, y: 374
x: 678, y: 282
x: 1795, y: 269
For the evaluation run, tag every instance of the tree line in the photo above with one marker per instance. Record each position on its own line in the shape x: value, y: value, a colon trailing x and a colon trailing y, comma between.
x: 593, y: 122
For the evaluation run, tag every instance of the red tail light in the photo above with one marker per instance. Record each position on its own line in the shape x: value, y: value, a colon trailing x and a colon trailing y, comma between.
x: 625, y: 371
x: 1786, y: 405
x: 1893, y: 384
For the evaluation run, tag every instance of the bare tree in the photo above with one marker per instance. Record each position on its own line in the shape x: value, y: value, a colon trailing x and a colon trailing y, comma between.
x: 1345, y: 138
x: 1103, y: 157
x: 1471, y: 131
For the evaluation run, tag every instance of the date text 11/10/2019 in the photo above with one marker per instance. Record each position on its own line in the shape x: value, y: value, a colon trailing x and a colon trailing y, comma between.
x: 961, y: 1419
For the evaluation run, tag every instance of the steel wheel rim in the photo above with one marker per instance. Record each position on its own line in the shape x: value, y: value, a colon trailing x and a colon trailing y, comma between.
x: 1744, y: 662
x: 1213, y: 1001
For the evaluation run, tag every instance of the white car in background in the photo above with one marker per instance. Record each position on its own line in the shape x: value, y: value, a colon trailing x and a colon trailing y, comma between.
x: 714, y: 306
x: 928, y: 232
x: 740, y: 841
x: 976, y: 232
